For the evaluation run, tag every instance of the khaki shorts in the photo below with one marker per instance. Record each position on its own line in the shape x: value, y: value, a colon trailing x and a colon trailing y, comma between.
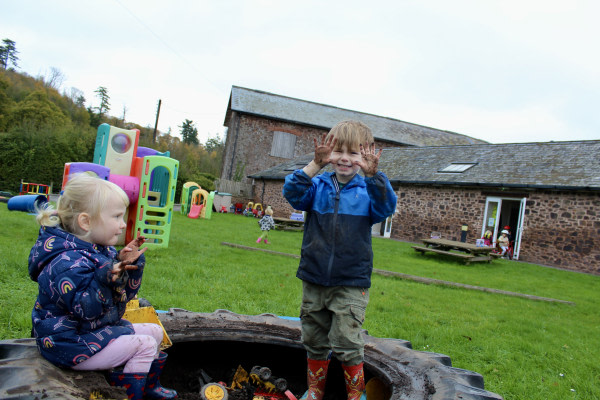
x: 332, y: 319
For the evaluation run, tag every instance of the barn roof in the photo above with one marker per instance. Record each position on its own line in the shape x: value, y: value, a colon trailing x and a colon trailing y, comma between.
x: 288, y: 109
x: 548, y: 165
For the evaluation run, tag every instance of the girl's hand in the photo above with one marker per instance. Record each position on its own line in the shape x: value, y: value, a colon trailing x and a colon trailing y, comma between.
x: 118, y: 268
x: 370, y: 159
x: 130, y: 253
x: 323, y: 150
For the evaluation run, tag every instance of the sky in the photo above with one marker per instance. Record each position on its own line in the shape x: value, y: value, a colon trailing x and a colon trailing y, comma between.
x: 503, y: 71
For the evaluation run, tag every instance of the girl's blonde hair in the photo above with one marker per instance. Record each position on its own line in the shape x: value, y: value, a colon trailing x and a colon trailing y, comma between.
x: 83, y: 193
x: 352, y: 134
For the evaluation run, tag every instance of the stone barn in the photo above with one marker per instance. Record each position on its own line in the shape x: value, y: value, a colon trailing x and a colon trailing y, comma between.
x: 547, y: 193
x: 265, y: 129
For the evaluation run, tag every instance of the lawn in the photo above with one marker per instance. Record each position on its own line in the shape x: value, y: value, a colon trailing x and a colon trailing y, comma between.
x: 525, y: 349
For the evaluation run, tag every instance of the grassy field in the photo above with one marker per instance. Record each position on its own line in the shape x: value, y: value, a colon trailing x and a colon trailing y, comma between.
x: 524, y: 349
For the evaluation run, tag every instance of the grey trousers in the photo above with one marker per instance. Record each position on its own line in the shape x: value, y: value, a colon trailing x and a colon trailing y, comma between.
x: 332, y: 319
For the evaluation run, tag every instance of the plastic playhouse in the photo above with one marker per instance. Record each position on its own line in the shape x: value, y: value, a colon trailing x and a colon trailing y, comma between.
x: 195, y: 201
x: 146, y: 175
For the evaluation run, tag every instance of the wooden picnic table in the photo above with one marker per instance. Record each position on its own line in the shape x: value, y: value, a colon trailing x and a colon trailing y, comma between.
x: 466, y: 251
x: 288, y: 224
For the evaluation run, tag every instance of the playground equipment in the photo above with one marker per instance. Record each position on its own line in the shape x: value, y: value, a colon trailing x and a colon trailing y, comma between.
x: 201, y: 204
x: 186, y: 196
x: 196, y: 202
x: 147, y: 176
x: 28, y: 202
x: 27, y: 188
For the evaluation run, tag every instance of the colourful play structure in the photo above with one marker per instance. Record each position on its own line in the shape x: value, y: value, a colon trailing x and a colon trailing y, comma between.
x: 146, y: 175
x: 28, y: 188
x: 195, y: 201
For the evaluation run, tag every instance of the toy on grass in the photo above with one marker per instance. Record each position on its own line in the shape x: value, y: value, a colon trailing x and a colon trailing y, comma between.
x: 35, y: 188
x: 147, y: 176
x: 266, y: 223
x: 186, y: 196
x: 201, y: 204
x: 28, y: 203
x: 257, y: 211
x: 248, y: 210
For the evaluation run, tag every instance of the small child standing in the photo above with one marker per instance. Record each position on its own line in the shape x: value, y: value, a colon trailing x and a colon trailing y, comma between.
x: 84, y: 286
x: 336, y: 257
x: 266, y: 224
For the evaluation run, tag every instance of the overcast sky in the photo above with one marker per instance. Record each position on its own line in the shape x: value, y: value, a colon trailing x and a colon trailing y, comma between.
x: 502, y: 71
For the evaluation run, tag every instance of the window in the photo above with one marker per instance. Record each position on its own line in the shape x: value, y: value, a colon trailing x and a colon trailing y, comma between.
x: 457, y: 167
x: 283, y: 145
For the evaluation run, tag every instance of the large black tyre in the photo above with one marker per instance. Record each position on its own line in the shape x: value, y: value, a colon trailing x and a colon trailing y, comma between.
x: 410, y: 374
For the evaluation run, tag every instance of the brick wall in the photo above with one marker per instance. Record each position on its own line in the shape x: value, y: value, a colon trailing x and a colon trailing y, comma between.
x: 560, y: 229
x: 249, y: 140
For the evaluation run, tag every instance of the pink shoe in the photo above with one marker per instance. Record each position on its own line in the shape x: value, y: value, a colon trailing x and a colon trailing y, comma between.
x: 266, y: 241
x: 259, y: 239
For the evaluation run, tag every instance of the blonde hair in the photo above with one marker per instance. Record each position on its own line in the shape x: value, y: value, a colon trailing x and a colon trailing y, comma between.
x: 352, y: 134
x: 83, y: 193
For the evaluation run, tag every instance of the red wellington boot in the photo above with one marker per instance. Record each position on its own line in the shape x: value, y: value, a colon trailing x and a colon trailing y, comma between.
x: 316, y: 376
x: 354, y: 376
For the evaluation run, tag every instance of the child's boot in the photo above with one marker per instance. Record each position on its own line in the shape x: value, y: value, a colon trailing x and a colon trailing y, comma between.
x: 132, y: 382
x: 154, y: 389
x: 354, y: 376
x: 316, y: 376
x: 258, y: 240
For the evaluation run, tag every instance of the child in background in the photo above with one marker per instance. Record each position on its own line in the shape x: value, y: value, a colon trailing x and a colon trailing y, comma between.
x: 503, y: 242
x: 266, y: 224
x: 337, y: 257
x: 84, y: 286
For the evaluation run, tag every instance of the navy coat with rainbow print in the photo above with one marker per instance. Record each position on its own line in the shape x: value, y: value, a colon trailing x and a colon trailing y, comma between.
x: 78, y: 309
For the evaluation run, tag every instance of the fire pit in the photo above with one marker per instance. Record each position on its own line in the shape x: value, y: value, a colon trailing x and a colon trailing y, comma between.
x: 215, y: 344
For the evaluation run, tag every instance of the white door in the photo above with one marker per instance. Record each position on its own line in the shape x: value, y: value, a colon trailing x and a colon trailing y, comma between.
x: 519, y: 231
x: 490, y: 219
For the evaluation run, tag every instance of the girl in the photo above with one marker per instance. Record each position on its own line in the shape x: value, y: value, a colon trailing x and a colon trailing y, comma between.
x: 84, y: 286
x: 266, y: 223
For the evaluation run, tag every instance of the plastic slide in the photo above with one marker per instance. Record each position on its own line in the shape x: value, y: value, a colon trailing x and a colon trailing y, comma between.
x: 26, y: 202
x: 195, y: 211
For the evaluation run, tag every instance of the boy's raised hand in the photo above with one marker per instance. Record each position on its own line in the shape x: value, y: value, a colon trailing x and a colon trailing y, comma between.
x: 370, y: 159
x: 323, y: 150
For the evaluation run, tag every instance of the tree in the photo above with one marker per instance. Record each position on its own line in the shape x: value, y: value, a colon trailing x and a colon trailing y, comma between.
x: 214, y: 144
x: 102, y: 94
x: 189, y: 133
x: 8, y: 54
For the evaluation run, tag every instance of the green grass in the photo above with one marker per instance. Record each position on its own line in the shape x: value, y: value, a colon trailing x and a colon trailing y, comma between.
x: 524, y: 349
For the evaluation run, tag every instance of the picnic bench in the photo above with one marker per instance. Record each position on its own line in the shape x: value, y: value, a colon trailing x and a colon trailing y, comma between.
x: 287, y: 224
x: 467, y: 252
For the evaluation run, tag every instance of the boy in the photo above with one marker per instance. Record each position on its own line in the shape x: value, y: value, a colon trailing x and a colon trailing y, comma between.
x: 337, y: 258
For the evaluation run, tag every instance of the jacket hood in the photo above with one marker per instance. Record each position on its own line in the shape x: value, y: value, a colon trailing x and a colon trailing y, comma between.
x: 50, y: 243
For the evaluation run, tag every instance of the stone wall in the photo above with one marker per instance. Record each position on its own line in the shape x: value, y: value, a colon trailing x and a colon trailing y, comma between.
x: 560, y: 229
x: 249, y: 140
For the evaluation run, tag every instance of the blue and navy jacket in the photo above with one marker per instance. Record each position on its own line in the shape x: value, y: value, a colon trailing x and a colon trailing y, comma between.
x: 336, y: 247
x: 78, y: 309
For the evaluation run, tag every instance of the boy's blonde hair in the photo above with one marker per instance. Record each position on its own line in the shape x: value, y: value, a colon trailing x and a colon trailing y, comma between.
x: 352, y: 134
x: 83, y: 193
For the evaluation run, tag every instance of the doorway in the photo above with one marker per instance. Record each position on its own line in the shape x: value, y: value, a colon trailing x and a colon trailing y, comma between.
x: 501, y: 212
x: 382, y: 229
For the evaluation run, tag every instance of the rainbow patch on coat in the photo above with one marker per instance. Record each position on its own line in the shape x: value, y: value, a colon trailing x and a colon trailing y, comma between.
x: 134, y: 283
x: 47, y: 342
x: 66, y: 285
x: 94, y: 346
x: 49, y: 243
x: 80, y: 358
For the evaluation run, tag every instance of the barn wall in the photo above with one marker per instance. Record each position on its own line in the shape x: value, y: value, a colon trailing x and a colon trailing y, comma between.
x: 560, y: 229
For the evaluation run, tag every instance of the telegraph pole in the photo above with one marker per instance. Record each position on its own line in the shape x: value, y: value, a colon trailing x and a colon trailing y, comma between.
x: 156, y: 123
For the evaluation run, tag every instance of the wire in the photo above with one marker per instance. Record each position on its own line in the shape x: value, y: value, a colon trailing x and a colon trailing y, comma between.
x: 193, y: 66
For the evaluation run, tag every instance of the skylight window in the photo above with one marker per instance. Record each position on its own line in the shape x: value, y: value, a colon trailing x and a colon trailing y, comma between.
x: 295, y: 167
x: 457, y: 168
